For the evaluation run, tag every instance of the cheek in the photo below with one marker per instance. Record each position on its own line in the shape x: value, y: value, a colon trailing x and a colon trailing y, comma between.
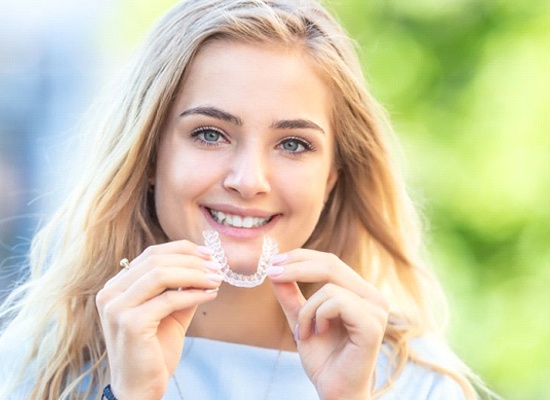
x: 303, y: 206
x: 180, y: 169
x: 180, y: 181
x: 304, y: 192
x: 179, y: 178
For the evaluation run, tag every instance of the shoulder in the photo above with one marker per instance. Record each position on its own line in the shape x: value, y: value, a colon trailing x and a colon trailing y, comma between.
x: 13, y: 356
x: 417, y: 380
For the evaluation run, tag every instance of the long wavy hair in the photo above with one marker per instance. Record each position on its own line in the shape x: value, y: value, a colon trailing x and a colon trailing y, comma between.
x: 368, y: 220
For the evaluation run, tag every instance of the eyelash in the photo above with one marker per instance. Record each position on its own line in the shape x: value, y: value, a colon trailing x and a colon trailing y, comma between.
x: 308, y: 147
x: 196, y: 135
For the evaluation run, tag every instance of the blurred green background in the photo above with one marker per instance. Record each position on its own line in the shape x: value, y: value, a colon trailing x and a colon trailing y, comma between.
x: 467, y: 86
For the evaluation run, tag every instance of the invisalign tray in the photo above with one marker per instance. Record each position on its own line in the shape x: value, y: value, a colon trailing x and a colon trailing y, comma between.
x: 269, y: 249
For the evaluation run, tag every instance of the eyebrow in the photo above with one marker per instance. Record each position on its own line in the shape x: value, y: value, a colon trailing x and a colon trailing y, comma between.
x: 297, y: 124
x: 216, y: 113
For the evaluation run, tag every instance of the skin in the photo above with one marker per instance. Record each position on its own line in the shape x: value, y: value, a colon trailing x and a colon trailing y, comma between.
x: 249, y: 134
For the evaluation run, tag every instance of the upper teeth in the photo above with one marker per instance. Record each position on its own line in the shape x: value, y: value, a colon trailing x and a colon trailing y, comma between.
x: 238, y: 221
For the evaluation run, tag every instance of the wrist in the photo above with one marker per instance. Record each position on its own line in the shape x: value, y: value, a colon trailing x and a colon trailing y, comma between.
x: 117, y: 394
x: 108, y: 394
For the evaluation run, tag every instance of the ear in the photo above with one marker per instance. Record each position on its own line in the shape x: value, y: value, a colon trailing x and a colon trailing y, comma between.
x: 331, y: 181
x: 152, y: 179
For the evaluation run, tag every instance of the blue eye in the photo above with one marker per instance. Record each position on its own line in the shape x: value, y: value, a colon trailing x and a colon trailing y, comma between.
x: 296, y: 146
x: 211, y: 136
x: 208, y: 136
x: 291, y: 146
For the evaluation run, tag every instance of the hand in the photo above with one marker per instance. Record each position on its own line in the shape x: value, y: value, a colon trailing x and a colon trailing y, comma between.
x: 145, y: 313
x: 339, y: 329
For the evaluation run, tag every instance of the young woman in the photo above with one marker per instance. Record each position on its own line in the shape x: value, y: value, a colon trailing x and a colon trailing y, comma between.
x: 248, y: 118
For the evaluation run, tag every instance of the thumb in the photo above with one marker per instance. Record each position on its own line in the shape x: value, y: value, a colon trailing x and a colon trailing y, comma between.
x: 291, y: 300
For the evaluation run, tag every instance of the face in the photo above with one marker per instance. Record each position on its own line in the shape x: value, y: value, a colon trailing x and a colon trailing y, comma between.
x: 247, y: 151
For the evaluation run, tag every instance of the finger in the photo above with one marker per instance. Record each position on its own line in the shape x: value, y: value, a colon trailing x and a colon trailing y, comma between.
x: 176, y: 247
x: 339, y: 307
x: 155, y: 259
x: 291, y: 300
x: 147, y: 316
x: 310, y: 266
x: 332, y: 304
x: 168, y: 279
x: 309, y: 319
x: 364, y: 323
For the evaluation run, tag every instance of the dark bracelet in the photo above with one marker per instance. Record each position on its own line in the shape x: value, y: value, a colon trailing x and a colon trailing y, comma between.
x: 108, y: 394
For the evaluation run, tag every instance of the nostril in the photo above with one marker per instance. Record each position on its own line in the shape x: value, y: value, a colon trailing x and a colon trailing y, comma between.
x: 248, y: 181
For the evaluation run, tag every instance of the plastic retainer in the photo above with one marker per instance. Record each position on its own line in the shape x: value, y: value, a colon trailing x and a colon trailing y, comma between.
x: 269, y: 249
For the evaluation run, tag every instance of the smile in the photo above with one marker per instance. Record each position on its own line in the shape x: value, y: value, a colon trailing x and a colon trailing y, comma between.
x: 238, y: 221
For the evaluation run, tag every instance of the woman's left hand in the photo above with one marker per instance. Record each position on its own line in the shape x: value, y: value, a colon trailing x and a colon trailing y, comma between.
x: 339, y: 329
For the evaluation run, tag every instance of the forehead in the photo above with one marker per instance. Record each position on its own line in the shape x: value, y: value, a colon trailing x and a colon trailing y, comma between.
x: 264, y: 76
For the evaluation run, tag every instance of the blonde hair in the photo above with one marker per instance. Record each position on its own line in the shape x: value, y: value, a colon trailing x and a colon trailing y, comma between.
x: 368, y: 220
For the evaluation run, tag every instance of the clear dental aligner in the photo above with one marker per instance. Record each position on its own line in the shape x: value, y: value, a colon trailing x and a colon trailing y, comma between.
x: 269, y: 249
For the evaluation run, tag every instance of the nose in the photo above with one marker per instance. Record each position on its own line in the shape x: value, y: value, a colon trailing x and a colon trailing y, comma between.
x: 248, y: 174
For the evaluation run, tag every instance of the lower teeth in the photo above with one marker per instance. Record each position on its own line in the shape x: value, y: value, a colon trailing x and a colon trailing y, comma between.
x: 269, y: 249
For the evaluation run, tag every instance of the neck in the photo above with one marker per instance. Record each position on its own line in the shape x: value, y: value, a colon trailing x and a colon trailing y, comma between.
x: 249, y: 316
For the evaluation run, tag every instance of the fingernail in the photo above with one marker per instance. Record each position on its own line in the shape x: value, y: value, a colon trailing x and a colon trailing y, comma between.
x: 211, y: 291
x: 212, y: 265
x: 274, y: 271
x: 214, y: 277
x: 205, y: 251
x: 278, y: 258
x: 296, y: 333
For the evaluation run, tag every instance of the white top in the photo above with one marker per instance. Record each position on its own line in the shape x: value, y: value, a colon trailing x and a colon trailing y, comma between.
x: 214, y: 370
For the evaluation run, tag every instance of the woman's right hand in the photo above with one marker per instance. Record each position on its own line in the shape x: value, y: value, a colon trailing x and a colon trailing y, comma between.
x: 145, y: 313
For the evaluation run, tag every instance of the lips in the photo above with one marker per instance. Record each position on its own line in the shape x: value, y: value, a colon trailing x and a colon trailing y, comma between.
x: 238, y: 221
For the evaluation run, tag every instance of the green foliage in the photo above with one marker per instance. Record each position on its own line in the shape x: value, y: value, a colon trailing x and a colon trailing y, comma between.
x: 467, y: 85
